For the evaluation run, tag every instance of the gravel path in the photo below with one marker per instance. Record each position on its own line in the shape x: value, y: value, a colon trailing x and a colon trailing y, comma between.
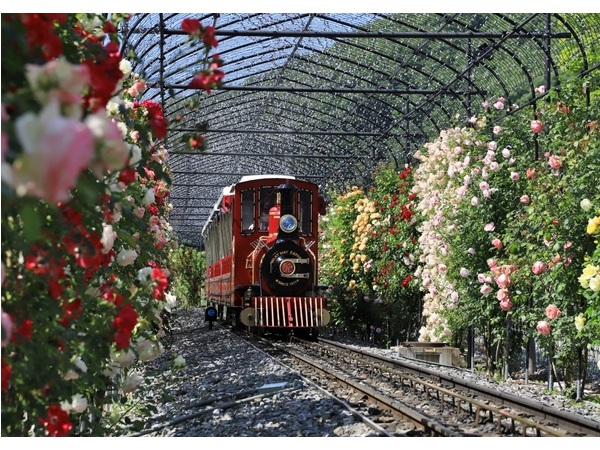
x: 228, y: 388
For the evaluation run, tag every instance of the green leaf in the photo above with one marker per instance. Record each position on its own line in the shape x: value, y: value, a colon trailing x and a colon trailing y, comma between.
x: 32, y: 222
x: 127, y: 237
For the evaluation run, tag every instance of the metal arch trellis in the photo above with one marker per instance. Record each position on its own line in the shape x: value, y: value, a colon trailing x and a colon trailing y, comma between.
x: 329, y: 95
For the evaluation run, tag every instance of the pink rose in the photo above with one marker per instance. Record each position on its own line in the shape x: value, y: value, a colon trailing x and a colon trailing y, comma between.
x: 538, y: 267
x: 543, y: 327
x: 6, y: 328
x: 536, y: 126
x: 56, y: 150
x: 514, y: 176
x: 154, y: 221
x: 503, y: 281
x: 161, y: 189
x: 485, y: 289
x: 113, y: 151
x: 506, y: 305
x: 489, y: 227
x: 555, y: 162
x: 502, y: 295
x: 552, y: 312
x: 497, y: 243
x: 524, y: 199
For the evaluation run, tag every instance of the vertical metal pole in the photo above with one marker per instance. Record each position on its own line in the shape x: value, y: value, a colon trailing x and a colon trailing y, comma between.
x: 470, y: 349
x: 550, y: 377
x: 547, y: 52
x: 579, y: 377
x: 531, y: 352
x: 161, y: 80
x: 469, y: 77
x: 506, y: 348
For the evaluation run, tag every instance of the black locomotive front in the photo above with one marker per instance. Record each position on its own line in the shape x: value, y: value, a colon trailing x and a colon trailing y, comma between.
x: 286, y: 268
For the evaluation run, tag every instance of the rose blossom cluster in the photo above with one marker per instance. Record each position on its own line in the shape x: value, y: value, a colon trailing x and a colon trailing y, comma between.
x: 85, y: 120
x: 552, y: 312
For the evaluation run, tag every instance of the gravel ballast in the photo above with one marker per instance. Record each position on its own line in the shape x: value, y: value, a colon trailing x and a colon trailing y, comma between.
x: 229, y: 388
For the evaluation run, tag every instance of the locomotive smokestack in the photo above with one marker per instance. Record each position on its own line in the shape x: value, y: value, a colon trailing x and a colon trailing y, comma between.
x: 286, y: 198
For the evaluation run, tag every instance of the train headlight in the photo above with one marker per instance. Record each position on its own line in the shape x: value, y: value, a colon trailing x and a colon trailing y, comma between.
x: 288, y: 223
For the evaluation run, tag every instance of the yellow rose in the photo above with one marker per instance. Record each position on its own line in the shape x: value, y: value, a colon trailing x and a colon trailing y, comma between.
x: 592, y: 226
x: 579, y: 322
x: 588, y: 272
x: 595, y: 283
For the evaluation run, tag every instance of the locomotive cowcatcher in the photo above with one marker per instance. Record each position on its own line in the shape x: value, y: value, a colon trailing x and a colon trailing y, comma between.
x: 261, y: 246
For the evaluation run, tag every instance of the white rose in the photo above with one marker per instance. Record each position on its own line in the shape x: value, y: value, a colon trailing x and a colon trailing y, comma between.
x: 136, y: 155
x: 149, y: 197
x: 108, y: 238
x: 585, y: 204
x: 79, y: 404
x: 148, y: 350
x: 125, y: 66
x: 80, y: 364
x: 131, y: 382
x: 170, y: 300
x: 126, y: 257
x: 124, y: 358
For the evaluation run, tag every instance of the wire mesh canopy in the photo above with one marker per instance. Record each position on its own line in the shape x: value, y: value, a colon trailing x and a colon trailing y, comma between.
x: 326, y: 97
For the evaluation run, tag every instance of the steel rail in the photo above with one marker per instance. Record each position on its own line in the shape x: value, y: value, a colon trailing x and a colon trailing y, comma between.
x: 568, y: 420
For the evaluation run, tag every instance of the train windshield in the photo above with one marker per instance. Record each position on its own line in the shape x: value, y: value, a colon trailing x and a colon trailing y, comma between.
x: 268, y: 199
x: 247, y: 211
x: 305, y: 212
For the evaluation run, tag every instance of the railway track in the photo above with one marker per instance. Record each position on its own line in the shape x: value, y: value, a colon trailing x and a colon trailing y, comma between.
x: 401, y: 398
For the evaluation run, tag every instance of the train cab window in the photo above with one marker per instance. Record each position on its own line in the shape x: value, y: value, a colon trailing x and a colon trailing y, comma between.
x: 305, y: 212
x: 247, y: 211
x: 268, y: 198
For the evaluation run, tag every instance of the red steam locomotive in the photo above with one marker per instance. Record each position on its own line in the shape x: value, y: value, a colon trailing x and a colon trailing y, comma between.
x: 261, y: 252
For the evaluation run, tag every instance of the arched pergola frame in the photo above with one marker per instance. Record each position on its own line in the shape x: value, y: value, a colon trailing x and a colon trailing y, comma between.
x: 327, y: 97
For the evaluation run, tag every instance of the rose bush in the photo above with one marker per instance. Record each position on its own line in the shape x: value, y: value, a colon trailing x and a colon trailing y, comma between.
x: 85, y: 232
x: 370, y: 271
x: 500, y: 204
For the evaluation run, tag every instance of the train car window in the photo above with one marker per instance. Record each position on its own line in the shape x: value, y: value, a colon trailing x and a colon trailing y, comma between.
x: 247, y: 211
x: 305, y: 217
x: 268, y: 198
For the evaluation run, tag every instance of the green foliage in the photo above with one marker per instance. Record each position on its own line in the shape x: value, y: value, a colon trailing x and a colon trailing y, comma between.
x: 187, y: 266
